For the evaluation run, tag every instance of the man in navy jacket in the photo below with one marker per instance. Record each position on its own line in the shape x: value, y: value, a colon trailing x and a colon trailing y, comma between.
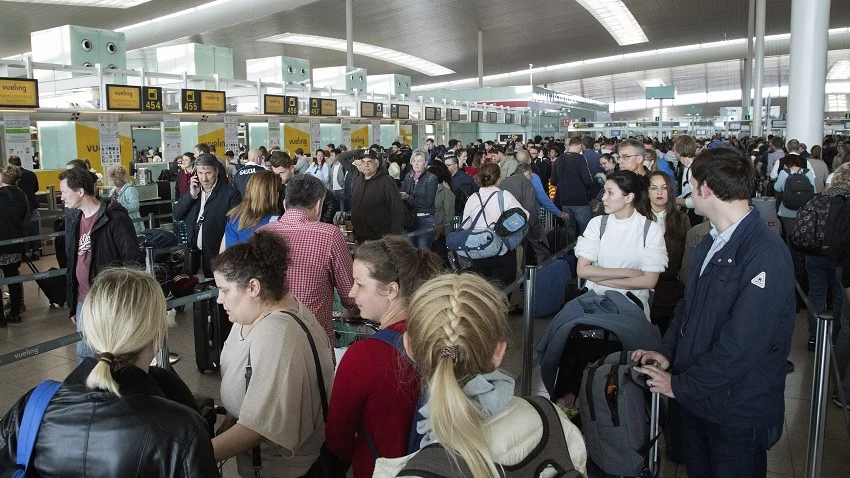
x: 731, y: 334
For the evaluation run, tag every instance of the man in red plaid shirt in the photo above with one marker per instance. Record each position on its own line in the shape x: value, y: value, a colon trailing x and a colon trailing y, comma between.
x: 321, y: 259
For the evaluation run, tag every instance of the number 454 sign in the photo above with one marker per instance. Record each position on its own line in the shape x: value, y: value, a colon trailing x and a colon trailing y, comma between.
x: 152, y: 98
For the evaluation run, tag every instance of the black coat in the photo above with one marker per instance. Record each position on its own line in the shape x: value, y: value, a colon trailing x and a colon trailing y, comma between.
x: 113, y: 241
x: 423, y: 194
x: 573, y: 180
x: 223, y: 198
x: 14, y: 218
x: 376, y: 207
x: 147, y: 432
x: 29, y: 185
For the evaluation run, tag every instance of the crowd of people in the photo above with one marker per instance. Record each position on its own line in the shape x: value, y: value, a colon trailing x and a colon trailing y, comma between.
x: 667, y: 223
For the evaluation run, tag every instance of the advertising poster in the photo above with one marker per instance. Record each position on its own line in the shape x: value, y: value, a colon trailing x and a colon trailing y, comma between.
x: 16, y: 133
x: 406, y: 132
x: 346, y: 131
x: 171, y: 140
x: 360, y: 137
x: 231, y: 134
x: 110, y: 143
x: 295, y: 135
x: 274, y: 132
x: 376, y: 132
x: 212, y: 134
x: 315, y: 135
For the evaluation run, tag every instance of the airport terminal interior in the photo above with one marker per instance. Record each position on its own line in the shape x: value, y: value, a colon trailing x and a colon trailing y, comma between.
x: 136, y: 84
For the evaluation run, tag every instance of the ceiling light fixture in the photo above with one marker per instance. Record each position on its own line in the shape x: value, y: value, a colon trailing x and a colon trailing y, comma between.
x: 839, y: 71
x: 365, y: 49
x: 89, y: 3
x: 171, y: 16
x: 616, y: 17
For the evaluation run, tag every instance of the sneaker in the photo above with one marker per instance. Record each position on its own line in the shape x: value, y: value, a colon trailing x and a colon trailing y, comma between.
x: 811, y: 345
x: 837, y: 401
x: 13, y: 319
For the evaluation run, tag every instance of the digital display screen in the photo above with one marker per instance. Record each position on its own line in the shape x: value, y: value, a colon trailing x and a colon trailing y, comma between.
x: 493, y: 117
x: 371, y: 110
x: 453, y: 114
x: 509, y: 118
x: 475, y: 116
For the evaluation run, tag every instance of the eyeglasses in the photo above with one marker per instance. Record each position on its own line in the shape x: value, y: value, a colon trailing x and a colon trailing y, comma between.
x: 626, y: 156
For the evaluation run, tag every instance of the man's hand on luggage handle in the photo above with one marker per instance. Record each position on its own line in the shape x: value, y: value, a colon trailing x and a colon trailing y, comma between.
x: 644, y: 357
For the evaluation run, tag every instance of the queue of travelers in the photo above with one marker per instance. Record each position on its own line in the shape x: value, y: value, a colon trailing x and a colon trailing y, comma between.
x: 674, y: 230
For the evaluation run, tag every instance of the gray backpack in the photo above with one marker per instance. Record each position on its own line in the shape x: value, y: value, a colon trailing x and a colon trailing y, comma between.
x: 433, y: 461
x: 615, y: 415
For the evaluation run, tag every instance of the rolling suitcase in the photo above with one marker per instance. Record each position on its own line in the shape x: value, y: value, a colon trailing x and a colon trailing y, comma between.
x: 54, y: 288
x: 551, y: 291
x: 766, y: 207
x: 211, y: 329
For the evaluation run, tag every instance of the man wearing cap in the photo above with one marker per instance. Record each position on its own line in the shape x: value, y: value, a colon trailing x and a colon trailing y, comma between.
x: 376, y: 207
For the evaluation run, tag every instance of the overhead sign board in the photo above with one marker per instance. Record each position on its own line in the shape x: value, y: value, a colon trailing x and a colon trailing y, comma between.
x: 151, y: 98
x: 510, y: 137
x: 778, y: 124
x: 433, y: 114
x: 476, y: 116
x: 369, y: 109
x: 280, y: 105
x: 453, y: 114
x: 660, y: 92
x: 492, y: 117
x: 18, y: 93
x: 400, y: 111
x: 203, y: 101
x: 322, y: 107
x: 509, y: 118
x: 123, y: 98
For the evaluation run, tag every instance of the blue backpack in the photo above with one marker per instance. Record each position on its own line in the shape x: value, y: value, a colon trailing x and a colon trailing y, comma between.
x: 394, y: 339
x: 31, y: 422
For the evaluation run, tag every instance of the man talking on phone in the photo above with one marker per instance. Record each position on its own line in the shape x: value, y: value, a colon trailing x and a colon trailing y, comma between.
x: 724, y: 356
x: 204, y: 207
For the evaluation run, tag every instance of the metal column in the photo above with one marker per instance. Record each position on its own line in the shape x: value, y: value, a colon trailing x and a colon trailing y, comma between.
x: 820, y: 391
x: 480, y: 59
x: 349, y: 33
x: 807, y: 75
x: 758, y: 67
x: 527, y: 330
x: 747, y: 97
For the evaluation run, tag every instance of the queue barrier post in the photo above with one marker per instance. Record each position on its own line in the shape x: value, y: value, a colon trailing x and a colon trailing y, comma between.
x: 151, y: 223
x: 527, y: 330
x: 51, y: 197
x: 162, y: 356
x: 820, y: 389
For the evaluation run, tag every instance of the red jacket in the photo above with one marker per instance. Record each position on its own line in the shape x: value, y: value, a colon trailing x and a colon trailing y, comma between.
x: 376, y: 387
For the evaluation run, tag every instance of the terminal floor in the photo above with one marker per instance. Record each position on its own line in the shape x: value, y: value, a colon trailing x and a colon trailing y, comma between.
x: 42, y: 323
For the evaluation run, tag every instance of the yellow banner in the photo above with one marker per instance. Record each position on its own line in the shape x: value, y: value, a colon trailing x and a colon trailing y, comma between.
x: 88, y: 145
x: 294, y: 138
x: 18, y: 93
x: 406, y: 133
x: 212, y: 137
x: 120, y: 97
x: 360, y: 137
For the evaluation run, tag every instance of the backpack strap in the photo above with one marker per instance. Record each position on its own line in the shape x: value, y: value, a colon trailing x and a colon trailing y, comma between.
x: 433, y: 461
x: 646, y: 225
x: 481, y: 212
x: 256, y: 458
x: 393, y: 339
x: 501, y: 202
x: 552, y: 450
x: 603, y: 226
x: 31, y: 422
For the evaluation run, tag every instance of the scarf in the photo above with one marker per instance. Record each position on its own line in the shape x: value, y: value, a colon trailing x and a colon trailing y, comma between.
x: 490, y: 393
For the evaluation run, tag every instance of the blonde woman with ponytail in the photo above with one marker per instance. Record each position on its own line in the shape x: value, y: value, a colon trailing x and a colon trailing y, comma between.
x: 115, y: 415
x: 457, y: 334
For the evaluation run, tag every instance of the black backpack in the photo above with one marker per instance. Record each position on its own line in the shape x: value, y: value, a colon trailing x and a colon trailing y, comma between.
x: 798, y: 190
x: 836, y: 238
x: 809, y: 230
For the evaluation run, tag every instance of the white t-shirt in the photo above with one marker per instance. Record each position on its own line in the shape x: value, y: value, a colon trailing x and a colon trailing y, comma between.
x: 622, y: 247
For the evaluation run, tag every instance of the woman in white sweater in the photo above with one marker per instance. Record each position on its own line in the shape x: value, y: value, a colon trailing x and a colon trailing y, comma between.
x: 456, y: 333
x: 628, y: 253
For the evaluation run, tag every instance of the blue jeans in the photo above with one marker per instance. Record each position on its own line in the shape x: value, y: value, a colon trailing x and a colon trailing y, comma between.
x: 340, y: 196
x: 423, y: 240
x: 822, y: 277
x: 718, y: 451
x: 83, y: 349
x: 579, y: 214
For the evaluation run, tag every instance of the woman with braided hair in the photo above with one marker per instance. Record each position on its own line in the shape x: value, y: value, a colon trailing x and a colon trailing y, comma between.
x: 457, y: 335
x: 376, y: 389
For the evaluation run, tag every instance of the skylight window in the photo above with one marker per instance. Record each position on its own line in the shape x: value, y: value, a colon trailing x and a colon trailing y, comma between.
x: 89, y: 3
x: 836, y: 103
x: 839, y: 71
x: 616, y: 17
x: 372, y: 51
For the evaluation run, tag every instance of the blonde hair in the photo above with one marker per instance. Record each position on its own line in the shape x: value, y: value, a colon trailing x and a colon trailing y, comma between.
x: 124, y: 314
x: 455, y: 323
x: 118, y: 172
x: 260, y: 200
x: 841, y: 178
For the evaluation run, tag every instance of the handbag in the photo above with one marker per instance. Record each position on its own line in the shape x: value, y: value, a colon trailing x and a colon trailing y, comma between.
x: 328, y: 465
x: 30, y: 423
x: 475, y: 243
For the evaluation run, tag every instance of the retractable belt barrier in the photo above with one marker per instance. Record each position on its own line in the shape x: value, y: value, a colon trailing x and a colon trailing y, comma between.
x: 22, y: 240
x: 32, y: 277
x: 49, y: 214
x: 70, y: 339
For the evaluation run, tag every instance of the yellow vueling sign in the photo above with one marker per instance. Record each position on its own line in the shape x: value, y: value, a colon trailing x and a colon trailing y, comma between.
x: 18, y: 93
x: 123, y: 98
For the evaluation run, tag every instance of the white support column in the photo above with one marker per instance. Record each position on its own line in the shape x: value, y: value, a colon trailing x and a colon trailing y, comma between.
x: 807, y: 75
x: 758, y: 68
x: 349, y: 33
x: 747, y: 97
